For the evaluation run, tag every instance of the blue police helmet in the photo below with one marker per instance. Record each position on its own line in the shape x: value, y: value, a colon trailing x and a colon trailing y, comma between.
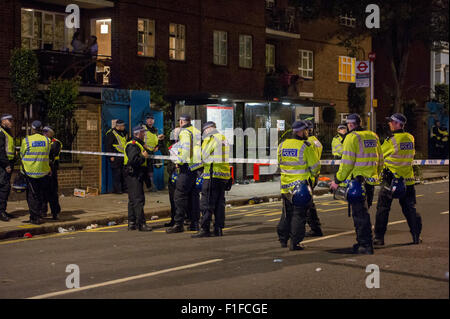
x: 301, y: 195
x: 353, y: 118
x: 398, y: 117
x: 199, y: 183
x: 174, y: 177
x: 355, y: 192
x: 309, y: 124
x: 299, y: 126
x: 398, y: 187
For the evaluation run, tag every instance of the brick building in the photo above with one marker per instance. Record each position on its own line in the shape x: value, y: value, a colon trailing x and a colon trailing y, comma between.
x: 220, y: 56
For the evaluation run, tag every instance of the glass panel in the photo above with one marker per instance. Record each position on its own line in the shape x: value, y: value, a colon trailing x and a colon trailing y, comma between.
x: 172, y: 28
x: 27, y: 23
x: 140, y: 25
x: 59, y: 32
x: 26, y: 43
x: 37, y: 25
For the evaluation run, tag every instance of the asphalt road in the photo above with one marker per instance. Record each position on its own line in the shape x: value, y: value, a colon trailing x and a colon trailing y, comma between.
x: 247, y: 262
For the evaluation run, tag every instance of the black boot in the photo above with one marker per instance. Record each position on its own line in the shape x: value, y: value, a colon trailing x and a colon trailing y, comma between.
x: 36, y: 221
x: 416, y: 239
x: 295, y: 246
x: 283, y: 244
x: 9, y: 215
x: 218, y: 232
x: 314, y: 233
x: 170, y: 224
x: 202, y: 233
x: 4, y: 217
x: 131, y: 226
x: 378, y: 241
x: 145, y: 227
x: 177, y: 228
x: 364, y: 250
x: 194, y: 227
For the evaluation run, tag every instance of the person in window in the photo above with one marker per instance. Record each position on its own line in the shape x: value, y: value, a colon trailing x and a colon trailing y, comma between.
x: 92, y: 50
x: 77, y: 43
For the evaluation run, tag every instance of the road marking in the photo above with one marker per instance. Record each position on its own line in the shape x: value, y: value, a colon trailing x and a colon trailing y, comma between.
x: 119, y: 281
x: 419, y: 195
x: 444, y: 213
x: 28, y: 226
x: 271, y: 214
x: 442, y: 192
x: 273, y: 220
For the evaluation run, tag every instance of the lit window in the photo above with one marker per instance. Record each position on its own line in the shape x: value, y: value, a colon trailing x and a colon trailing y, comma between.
x: 270, y: 58
x: 305, y: 64
x: 146, y: 37
x: 347, y: 69
x: 177, y: 41
x: 245, y: 51
x: 220, y: 47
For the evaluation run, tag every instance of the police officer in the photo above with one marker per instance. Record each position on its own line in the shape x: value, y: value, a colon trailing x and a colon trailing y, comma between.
x: 336, y: 143
x: 189, y: 168
x: 34, y: 151
x: 172, y: 172
x: 362, y: 161
x: 116, y: 138
x: 153, y: 142
x: 398, y: 151
x: 216, y: 174
x: 7, y: 157
x: 51, y: 194
x: 311, y: 215
x: 298, y: 163
x: 135, y: 162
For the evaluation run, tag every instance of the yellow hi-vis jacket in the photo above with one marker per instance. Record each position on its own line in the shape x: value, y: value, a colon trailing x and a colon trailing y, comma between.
x: 314, y: 141
x: 134, y: 142
x: 298, y: 162
x: 336, y: 145
x: 121, y: 141
x: 190, y: 149
x: 55, y: 140
x: 398, y: 151
x: 150, y: 139
x: 215, y: 152
x: 9, y: 145
x: 361, y: 155
x: 35, y: 150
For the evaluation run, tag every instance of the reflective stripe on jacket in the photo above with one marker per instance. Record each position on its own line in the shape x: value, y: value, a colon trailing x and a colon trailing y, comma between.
x: 336, y: 146
x: 134, y: 142
x: 35, y: 150
x: 215, y: 152
x: 188, y: 154
x: 9, y: 145
x: 298, y: 162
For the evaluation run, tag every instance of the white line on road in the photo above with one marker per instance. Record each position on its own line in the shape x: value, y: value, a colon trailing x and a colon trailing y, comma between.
x: 444, y: 213
x: 118, y: 281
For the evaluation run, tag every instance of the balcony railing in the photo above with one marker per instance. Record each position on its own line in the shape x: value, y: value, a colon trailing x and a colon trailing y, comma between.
x: 281, y: 19
x: 93, y: 70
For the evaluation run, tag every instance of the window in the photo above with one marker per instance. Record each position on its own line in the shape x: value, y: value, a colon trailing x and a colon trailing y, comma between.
x: 146, y: 37
x: 43, y: 29
x: 270, y: 4
x: 270, y: 58
x: 245, y: 51
x: 347, y: 20
x: 220, y: 47
x: 347, y: 69
x: 305, y: 64
x: 177, y: 41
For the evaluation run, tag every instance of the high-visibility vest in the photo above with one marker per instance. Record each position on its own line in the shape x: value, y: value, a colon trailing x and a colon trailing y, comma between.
x: 55, y: 140
x: 361, y: 155
x: 298, y: 162
x: 35, y: 150
x: 215, y: 152
x: 150, y: 139
x: 444, y: 135
x: 314, y: 141
x: 133, y: 142
x: 398, y: 151
x: 9, y: 144
x: 189, y: 151
x: 121, y: 141
x: 336, y: 145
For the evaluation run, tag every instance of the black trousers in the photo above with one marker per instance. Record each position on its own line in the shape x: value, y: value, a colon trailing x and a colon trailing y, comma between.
x: 187, y: 197
x: 5, y: 189
x: 119, y: 176
x: 361, y: 218
x: 292, y: 222
x: 213, y: 203
x: 36, y: 188
x: 51, y: 195
x: 408, y: 204
x: 173, y: 209
x: 312, y: 219
x: 136, y: 200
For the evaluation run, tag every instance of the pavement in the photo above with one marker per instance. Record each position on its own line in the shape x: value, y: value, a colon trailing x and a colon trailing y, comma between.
x: 78, y: 213
x: 246, y: 263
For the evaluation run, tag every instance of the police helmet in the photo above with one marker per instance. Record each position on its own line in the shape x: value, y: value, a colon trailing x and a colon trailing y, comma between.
x: 398, y: 187
x: 355, y: 192
x: 301, y: 195
x: 353, y: 118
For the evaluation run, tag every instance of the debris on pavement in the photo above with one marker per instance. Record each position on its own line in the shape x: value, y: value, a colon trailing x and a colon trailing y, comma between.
x: 278, y: 260
x: 154, y: 217
x: 27, y: 235
x: 62, y: 230
x: 112, y: 223
x: 318, y: 269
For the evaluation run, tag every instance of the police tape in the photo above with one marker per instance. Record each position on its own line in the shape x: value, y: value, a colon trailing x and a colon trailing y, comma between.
x: 433, y: 162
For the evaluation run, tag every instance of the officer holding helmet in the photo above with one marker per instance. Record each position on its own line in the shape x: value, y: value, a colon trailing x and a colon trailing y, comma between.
x: 361, y: 165
x: 398, y: 152
x: 299, y: 164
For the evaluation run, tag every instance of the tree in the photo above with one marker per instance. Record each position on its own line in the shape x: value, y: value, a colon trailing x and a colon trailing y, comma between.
x: 401, y: 23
